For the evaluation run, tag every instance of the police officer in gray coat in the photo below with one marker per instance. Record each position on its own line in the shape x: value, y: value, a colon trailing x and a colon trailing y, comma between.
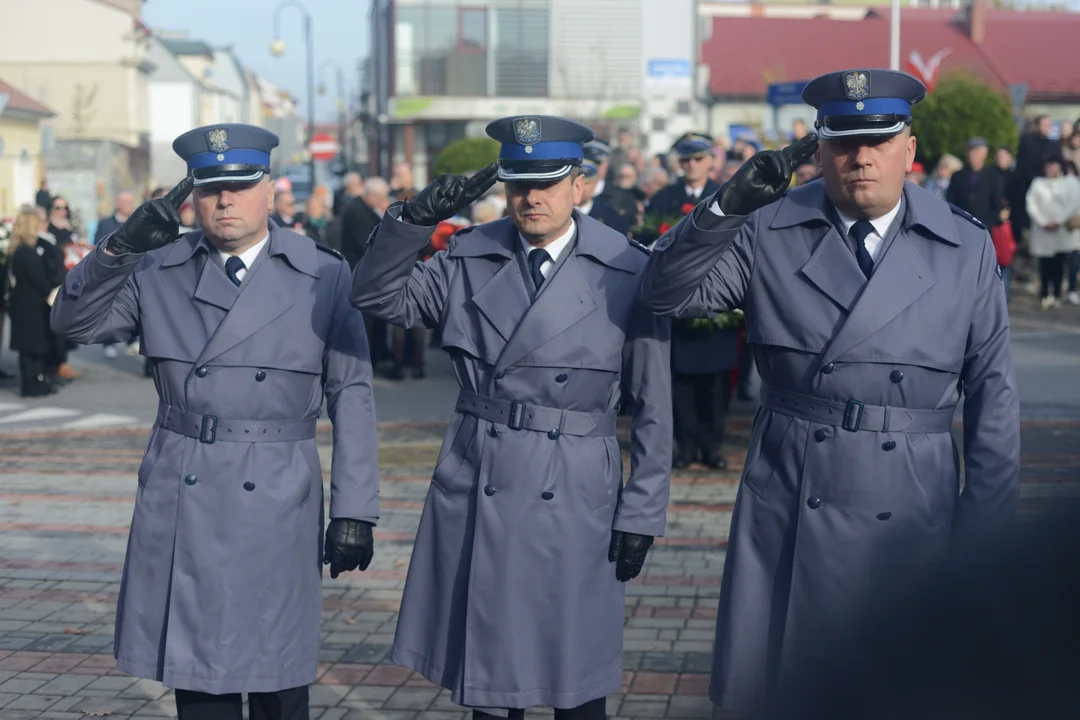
x: 871, y: 307
x: 246, y: 327
x: 515, y: 594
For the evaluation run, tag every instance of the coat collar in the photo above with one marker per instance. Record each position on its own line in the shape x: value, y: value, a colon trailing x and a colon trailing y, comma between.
x: 299, y: 252
x: 500, y: 238
x: 809, y: 205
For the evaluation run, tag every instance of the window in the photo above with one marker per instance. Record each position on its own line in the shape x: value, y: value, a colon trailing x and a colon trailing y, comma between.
x: 472, y: 29
x: 521, y: 52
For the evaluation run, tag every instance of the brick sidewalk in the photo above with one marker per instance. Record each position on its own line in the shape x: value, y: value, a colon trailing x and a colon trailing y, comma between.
x: 65, y: 504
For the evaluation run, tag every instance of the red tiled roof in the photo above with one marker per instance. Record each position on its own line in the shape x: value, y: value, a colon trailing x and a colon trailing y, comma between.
x: 1019, y: 47
x: 20, y: 101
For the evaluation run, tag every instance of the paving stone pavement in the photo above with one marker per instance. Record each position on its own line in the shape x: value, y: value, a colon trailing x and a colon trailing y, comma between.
x: 65, y: 504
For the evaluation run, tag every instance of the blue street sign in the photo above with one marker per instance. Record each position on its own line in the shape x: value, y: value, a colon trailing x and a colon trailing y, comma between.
x: 786, y: 93
x: 669, y: 69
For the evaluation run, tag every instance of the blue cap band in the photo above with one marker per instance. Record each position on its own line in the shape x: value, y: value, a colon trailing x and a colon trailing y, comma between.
x: 692, y: 147
x: 542, y: 151
x: 240, y: 156
x: 870, y: 106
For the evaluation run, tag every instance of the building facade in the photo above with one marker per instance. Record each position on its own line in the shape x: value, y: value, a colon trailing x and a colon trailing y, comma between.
x: 20, y: 148
x: 440, y: 70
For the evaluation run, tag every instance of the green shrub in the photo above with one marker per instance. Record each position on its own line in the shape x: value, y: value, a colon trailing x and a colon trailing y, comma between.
x: 466, y: 155
x: 958, y: 109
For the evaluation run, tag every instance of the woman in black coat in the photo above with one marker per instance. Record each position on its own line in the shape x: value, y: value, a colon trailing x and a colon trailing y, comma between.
x: 33, y: 279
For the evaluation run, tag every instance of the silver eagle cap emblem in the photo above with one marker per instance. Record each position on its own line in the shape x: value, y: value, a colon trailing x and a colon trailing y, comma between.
x: 218, y: 140
x: 527, y: 131
x: 857, y: 85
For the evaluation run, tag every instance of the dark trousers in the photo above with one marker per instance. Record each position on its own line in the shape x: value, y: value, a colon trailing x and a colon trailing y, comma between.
x: 32, y: 375
x: 1051, y: 270
x: 699, y: 404
x: 592, y: 710
x: 291, y: 704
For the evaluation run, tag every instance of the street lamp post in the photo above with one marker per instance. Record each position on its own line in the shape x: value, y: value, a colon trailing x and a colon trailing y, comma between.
x: 340, y: 102
x: 277, y: 47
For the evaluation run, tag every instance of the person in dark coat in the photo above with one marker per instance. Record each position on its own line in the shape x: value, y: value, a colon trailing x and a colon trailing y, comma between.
x: 619, y: 199
x: 595, y: 207
x: 978, y: 188
x: 125, y: 205
x: 357, y: 224
x: 35, y: 274
x: 250, y: 329
x: 695, y: 155
x: 703, y: 352
x: 872, y: 308
x: 515, y: 595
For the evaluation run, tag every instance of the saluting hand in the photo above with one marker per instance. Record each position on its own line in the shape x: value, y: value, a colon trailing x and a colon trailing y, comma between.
x: 627, y: 551
x: 447, y: 195
x: 763, y: 178
x: 350, y: 544
x: 153, y: 224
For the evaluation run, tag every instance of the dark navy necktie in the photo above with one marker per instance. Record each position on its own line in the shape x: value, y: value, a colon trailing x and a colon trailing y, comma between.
x: 536, y: 259
x: 233, y: 266
x: 860, y: 231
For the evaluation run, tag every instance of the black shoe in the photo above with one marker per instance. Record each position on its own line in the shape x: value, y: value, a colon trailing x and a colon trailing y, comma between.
x: 714, y: 460
x: 5, y: 375
x: 681, y: 461
x: 396, y: 374
x: 418, y: 373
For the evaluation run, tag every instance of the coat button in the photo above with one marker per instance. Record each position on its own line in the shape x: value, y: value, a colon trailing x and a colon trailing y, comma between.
x: 191, y: 479
x: 896, y: 376
x: 249, y: 486
x: 500, y: 375
x: 813, y: 503
x: 490, y: 490
x: 493, y: 431
x: 554, y: 434
x: 260, y: 376
x: 888, y: 445
x: 201, y: 372
x: 76, y: 284
x: 821, y: 435
x: 561, y: 378
x: 828, y: 369
x: 547, y: 495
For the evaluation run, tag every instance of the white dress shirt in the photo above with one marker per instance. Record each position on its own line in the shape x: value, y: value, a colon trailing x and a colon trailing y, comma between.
x: 693, y: 192
x: 248, y: 256
x: 555, y: 248
x: 881, y: 226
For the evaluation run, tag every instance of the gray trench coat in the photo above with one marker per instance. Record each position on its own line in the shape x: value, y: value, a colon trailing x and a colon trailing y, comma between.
x: 222, y: 583
x: 510, y: 601
x: 851, y: 454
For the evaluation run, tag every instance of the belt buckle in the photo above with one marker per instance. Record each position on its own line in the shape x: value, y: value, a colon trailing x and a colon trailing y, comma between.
x: 852, y: 415
x: 208, y: 430
x: 517, y: 415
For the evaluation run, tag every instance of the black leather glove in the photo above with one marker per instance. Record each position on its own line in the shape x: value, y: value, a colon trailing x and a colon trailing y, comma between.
x: 153, y: 223
x: 349, y: 545
x: 764, y: 178
x: 447, y: 195
x: 628, y: 552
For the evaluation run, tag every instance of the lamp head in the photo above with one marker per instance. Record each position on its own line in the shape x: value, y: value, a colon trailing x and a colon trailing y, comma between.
x: 277, y: 47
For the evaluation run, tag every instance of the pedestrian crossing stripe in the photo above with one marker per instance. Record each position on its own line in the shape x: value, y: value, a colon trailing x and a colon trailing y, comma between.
x: 58, y: 418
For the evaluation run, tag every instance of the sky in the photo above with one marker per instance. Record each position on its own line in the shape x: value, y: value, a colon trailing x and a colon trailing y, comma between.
x: 338, y: 28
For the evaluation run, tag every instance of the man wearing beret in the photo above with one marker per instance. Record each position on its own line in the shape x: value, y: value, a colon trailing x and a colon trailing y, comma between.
x: 247, y: 327
x: 515, y: 594
x: 871, y: 307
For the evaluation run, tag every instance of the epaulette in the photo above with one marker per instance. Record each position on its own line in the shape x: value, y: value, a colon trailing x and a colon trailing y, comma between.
x: 328, y: 249
x: 957, y: 210
x: 638, y: 246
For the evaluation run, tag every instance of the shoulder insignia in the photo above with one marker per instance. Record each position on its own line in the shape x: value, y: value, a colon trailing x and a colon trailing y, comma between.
x: 328, y: 249
x: 638, y: 246
x: 957, y: 210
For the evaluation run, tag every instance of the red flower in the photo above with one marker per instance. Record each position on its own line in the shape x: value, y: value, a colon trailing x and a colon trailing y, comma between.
x: 664, y: 227
x: 688, y: 208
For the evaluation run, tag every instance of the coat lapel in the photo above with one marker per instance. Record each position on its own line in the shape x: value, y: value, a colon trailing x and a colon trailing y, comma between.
x: 214, y: 287
x: 566, y: 298
x: 831, y: 267
x: 502, y: 297
x: 265, y: 295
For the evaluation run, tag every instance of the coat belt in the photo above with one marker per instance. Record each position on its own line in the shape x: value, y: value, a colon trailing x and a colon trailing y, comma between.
x: 210, y: 428
x: 854, y: 415
x: 518, y: 415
